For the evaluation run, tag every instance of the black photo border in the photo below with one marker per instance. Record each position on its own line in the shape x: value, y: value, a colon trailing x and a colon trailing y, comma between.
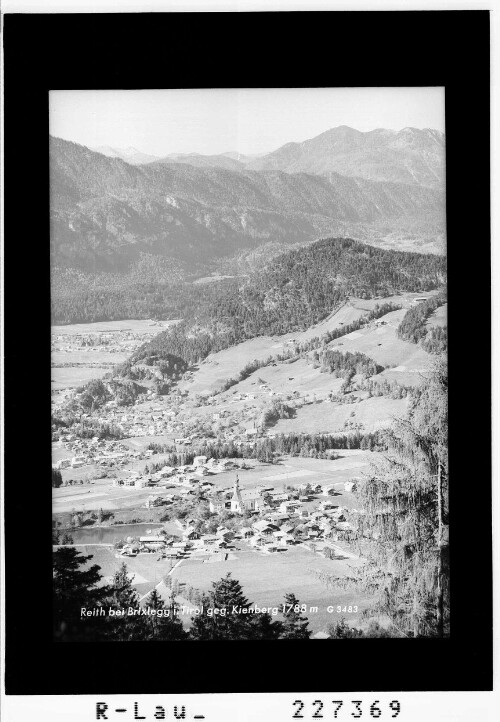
x: 46, y: 52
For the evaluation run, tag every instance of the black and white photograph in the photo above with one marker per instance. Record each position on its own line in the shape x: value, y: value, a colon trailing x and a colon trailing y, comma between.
x: 249, y: 364
x: 246, y: 296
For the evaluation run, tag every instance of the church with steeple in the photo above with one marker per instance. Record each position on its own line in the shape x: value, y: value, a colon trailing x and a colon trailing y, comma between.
x: 242, y: 501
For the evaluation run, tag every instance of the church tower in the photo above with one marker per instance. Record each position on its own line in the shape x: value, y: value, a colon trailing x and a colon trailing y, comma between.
x: 237, y: 501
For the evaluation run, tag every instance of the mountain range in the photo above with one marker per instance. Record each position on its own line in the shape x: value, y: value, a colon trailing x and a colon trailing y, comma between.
x: 106, y: 212
x: 410, y: 155
x: 129, y: 155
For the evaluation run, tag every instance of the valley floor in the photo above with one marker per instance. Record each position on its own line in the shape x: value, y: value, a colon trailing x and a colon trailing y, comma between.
x: 200, y: 412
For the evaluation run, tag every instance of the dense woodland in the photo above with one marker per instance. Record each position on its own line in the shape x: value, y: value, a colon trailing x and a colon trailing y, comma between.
x: 413, y: 326
x: 338, y: 362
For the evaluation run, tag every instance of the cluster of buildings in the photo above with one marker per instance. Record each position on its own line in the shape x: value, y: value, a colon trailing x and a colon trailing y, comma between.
x: 274, y: 527
x: 191, y: 476
x: 118, y: 341
x: 283, y: 521
x: 106, y: 453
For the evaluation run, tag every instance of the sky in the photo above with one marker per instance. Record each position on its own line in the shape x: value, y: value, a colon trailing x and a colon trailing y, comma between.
x: 249, y: 121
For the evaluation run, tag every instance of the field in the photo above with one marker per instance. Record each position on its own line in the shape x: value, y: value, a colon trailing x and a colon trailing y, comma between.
x: 371, y: 414
x: 287, y: 378
x: 291, y: 471
x: 133, y: 325
x: 70, y: 377
x: 266, y: 578
x: 74, y: 362
x: 380, y: 343
x: 319, y: 471
x: 383, y: 346
x: 146, y: 568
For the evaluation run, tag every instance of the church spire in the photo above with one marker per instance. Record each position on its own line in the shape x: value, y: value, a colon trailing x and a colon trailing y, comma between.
x: 237, y: 501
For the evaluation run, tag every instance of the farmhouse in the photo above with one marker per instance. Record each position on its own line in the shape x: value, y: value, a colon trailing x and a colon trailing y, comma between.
x: 63, y: 464
x: 279, y: 496
x: 288, y: 507
x: 328, y: 490
x: 152, y: 542
x: 264, y: 527
x: 190, y: 535
x: 153, y: 501
x: 246, y: 532
x: 218, y: 504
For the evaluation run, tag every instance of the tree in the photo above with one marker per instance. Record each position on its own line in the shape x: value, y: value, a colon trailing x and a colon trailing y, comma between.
x: 348, y: 377
x: 406, y: 500
x: 56, y: 478
x: 162, y: 623
x: 75, y: 587
x: 131, y: 626
x: 263, y: 626
x: 94, y: 394
x: 223, y: 616
x: 295, y: 626
x: 340, y: 630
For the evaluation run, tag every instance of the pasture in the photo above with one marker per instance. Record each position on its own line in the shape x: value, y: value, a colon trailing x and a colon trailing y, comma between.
x: 74, y: 364
x: 330, y: 418
x: 127, y: 325
x: 382, y: 345
x: 70, y: 377
x: 266, y: 578
x: 218, y: 367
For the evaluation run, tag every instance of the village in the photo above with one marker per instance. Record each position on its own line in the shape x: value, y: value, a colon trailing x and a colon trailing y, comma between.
x: 174, y: 483
x: 222, y: 515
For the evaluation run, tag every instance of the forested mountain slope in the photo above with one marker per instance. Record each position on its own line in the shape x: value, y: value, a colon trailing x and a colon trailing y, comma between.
x: 295, y: 291
x: 410, y: 156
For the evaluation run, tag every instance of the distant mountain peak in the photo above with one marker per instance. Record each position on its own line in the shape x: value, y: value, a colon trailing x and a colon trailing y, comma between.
x: 130, y: 154
x: 411, y: 155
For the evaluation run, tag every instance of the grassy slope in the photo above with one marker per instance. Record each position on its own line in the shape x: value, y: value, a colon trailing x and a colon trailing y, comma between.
x: 439, y: 317
x: 221, y: 366
x: 378, y: 342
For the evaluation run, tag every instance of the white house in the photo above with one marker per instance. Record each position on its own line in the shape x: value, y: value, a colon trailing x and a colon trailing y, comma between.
x: 328, y: 490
